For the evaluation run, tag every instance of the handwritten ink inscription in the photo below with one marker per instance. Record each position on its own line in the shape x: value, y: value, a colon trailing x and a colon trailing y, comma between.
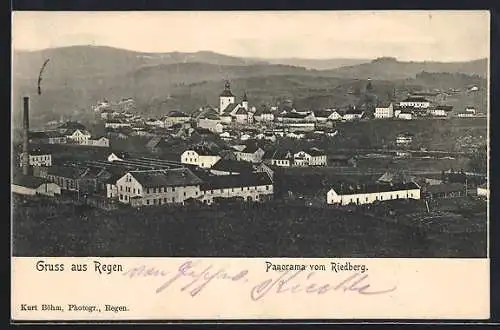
x: 193, y: 277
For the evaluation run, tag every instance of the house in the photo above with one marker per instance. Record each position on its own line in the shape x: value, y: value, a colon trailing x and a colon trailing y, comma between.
x: 158, y: 187
x: 250, y: 153
x: 241, y: 116
x: 175, y: 117
x: 440, y: 110
x: 469, y: 112
x: 483, y: 191
x: 345, y: 194
x: 415, y: 102
x: 112, y: 157
x: 404, y: 114
x: 48, y: 137
x: 158, y: 123
x: 71, y: 126
x: 326, y: 115
x: 231, y: 167
x: 31, y: 186
x: 213, y: 125
x: 353, y: 114
x: 116, y: 124
x: 72, y: 178
x: 252, y: 187
x: 311, y: 157
x: 39, y: 157
x: 384, y: 111
x: 445, y: 190
x: 404, y: 139
x: 294, y: 117
x: 395, y: 177
x: 282, y: 158
x: 200, y: 156
x: 263, y: 115
x: 99, y: 142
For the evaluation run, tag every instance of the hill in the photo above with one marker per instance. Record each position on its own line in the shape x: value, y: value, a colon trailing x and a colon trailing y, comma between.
x: 391, y: 69
x: 317, y: 64
x: 79, y: 76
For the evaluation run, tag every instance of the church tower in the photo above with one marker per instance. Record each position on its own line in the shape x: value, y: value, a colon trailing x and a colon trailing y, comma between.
x: 244, y: 102
x: 225, y: 98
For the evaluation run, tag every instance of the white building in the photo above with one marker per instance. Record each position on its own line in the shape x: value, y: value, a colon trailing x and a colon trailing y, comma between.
x: 404, y: 139
x: 175, y: 117
x: 199, y: 156
x: 31, y: 186
x: 365, y: 194
x: 282, y: 158
x: 116, y: 124
x: 415, y: 102
x: 311, y: 157
x: 213, y: 125
x: 158, y: 187
x: 250, y: 153
x: 404, y: 115
x: 353, y: 114
x: 382, y: 112
x: 251, y: 187
x: 39, y: 158
x: 440, y: 111
x: 483, y: 191
x: 469, y: 113
x: 225, y: 98
x: 78, y: 136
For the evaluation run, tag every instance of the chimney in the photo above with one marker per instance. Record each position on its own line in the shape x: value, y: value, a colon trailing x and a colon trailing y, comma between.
x: 26, y: 127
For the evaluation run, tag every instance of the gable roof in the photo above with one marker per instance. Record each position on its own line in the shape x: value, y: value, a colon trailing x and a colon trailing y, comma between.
x: 230, y: 107
x: 227, y: 165
x: 70, y: 172
x: 28, y: 181
x: 241, y: 111
x: 164, y: 178
x: 211, y: 182
x: 350, y: 189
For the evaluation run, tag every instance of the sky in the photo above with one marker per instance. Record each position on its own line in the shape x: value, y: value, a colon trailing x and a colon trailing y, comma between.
x: 406, y: 35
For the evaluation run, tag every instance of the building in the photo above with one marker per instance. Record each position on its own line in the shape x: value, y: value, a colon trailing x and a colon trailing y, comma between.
x: 296, y: 117
x: 353, y: 114
x: 158, y: 187
x: 78, y: 136
x: 231, y: 167
x: 342, y: 161
x: 48, y: 137
x: 176, y: 117
x: 326, y: 115
x: 282, y: 158
x: 200, y: 156
x: 31, y: 186
x: 445, y: 190
x: 440, y: 110
x: 483, y: 191
x: 226, y: 98
x: 116, y: 124
x: 345, y: 194
x: 404, y: 139
x: 40, y: 158
x: 250, y: 153
x: 384, y: 111
x: 415, y: 102
x: 263, y: 115
x: 251, y: 187
x: 73, y: 178
x: 213, y: 125
x: 469, y: 113
x: 311, y: 157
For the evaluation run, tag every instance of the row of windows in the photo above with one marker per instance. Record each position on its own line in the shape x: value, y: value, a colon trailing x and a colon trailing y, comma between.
x: 40, y: 158
x: 357, y: 200
x: 233, y: 189
x: 158, y: 201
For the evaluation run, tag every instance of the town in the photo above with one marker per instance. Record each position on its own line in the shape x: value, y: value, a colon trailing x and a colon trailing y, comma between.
x: 237, y: 154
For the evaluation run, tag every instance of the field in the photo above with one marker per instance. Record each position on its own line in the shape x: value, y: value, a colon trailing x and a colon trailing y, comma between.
x: 275, y: 229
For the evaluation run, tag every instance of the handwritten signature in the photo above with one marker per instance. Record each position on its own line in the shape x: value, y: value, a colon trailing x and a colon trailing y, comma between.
x: 195, y: 278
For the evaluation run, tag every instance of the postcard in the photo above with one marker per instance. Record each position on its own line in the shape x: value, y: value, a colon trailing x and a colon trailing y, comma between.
x: 250, y: 165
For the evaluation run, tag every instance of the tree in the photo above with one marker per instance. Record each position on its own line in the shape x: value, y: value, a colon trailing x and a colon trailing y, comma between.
x: 479, y: 161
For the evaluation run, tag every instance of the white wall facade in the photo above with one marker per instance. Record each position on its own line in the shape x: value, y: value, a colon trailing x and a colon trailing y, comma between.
x: 367, y: 198
x: 203, y: 161
x: 253, y: 193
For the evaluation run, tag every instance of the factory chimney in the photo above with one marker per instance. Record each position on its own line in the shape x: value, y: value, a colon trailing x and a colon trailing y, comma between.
x: 26, y: 127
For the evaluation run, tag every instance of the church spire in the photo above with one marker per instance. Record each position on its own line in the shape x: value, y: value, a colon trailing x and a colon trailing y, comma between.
x: 245, y: 99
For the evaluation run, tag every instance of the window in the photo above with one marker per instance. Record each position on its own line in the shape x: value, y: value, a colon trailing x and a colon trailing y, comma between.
x: 173, y: 189
x: 121, y: 188
x: 173, y: 199
x: 121, y: 196
x: 165, y: 200
x: 134, y: 190
x: 147, y: 201
x: 184, y: 194
x: 366, y: 200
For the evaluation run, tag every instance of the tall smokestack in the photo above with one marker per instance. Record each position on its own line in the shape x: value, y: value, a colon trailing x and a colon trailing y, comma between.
x: 26, y: 128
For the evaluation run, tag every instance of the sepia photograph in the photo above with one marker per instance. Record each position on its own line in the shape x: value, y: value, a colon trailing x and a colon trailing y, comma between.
x: 293, y: 134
